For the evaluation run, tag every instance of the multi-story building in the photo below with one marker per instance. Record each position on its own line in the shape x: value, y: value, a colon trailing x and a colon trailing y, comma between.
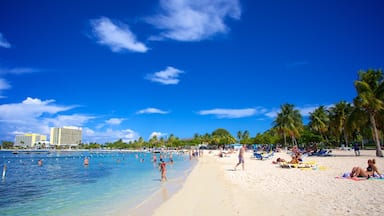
x: 30, y: 140
x: 66, y: 136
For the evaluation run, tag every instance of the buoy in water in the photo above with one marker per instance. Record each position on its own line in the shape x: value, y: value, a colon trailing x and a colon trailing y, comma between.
x: 4, y: 171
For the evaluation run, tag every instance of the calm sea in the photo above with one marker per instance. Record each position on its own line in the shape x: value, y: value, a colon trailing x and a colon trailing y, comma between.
x: 64, y: 186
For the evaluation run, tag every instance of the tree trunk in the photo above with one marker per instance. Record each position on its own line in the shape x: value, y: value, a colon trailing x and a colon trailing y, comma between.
x: 345, y: 138
x: 379, y: 153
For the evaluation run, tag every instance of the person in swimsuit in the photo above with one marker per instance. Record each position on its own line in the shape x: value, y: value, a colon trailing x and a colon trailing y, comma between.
x: 86, y: 161
x: 368, y: 172
x: 163, y: 170
x: 241, y: 157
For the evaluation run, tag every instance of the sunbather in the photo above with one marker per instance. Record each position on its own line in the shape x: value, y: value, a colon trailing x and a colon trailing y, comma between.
x: 369, y: 172
x: 278, y: 160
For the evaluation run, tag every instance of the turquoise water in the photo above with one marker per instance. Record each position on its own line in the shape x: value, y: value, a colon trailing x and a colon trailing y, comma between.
x: 64, y: 186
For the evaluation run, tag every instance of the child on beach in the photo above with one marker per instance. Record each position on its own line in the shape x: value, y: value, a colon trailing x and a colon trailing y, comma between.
x: 163, y: 170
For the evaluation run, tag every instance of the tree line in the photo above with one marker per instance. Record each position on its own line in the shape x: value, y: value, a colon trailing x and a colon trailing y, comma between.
x: 361, y: 121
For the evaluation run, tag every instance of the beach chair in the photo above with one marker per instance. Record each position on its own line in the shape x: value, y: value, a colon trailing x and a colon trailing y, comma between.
x: 261, y: 155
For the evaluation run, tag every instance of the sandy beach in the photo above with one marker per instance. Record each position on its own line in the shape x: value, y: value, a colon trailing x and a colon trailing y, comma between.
x: 264, y: 188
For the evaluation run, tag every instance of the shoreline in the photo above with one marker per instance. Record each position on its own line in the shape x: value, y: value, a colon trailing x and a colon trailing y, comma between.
x: 155, y: 200
x: 213, y: 188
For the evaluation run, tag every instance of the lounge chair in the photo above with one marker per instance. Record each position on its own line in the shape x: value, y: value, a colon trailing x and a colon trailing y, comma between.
x: 262, y: 155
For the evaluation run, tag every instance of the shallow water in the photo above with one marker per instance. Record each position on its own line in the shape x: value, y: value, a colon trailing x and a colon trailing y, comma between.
x: 64, y: 186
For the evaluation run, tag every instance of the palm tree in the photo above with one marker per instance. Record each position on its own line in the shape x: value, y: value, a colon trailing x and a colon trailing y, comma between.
x: 319, y: 121
x: 239, y: 135
x: 246, y: 137
x: 338, y: 119
x: 289, y: 122
x: 370, y: 95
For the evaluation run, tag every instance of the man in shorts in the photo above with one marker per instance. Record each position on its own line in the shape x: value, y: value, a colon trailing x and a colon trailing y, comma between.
x: 241, y: 156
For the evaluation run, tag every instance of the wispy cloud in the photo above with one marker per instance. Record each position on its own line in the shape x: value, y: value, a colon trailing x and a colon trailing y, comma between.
x: 3, y: 42
x: 3, y: 86
x: 109, y: 135
x: 151, y: 111
x: 296, y: 64
x: 68, y: 120
x: 169, y: 76
x: 16, y: 71
x: 194, y: 20
x: 117, y: 36
x: 114, y: 121
x: 231, y: 113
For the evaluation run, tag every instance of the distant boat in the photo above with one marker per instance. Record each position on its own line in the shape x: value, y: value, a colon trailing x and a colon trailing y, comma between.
x: 31, y: 152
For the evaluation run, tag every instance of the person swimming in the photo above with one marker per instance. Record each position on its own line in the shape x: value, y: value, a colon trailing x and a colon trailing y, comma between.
x: 86, y: 161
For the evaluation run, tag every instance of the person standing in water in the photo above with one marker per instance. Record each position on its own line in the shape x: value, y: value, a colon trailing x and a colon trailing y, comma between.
x: 86, y: 161
x: 163, y: 170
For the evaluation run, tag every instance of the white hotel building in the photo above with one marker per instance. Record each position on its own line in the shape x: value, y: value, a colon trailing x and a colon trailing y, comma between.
x: 30, y: 140
x: 66, y: 136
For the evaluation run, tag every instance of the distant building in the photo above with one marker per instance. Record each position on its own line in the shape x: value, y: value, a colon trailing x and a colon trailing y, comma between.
x: 66, y: 136
x: 30, y: 140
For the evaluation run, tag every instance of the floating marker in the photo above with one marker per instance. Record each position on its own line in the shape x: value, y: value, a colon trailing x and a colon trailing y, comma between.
x: 4, y: 171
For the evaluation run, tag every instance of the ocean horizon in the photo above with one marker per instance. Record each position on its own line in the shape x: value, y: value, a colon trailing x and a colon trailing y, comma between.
x: 113, y: 181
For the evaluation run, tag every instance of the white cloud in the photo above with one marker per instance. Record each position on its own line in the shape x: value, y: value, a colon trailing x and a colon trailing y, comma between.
x: 151, y: 110
x: 157, y: 134
x: 169, y: 76
x: 3, y: 42
x: 3, y: 86
x: 230, y: 113
x: 117, y: 36
x: 109, y: 135
x: 114, y: 121
x: 272, y: 113
x: 68, y: 120
x: 34, y: 115
x: 194, y: 20
x: 17, y: 71
x: 29, y: 109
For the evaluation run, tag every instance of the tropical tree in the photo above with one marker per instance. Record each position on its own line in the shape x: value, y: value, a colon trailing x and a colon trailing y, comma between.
x: 289, y: 122
x: 7, y: 144
x: 153, y: 141
x: 319, y: 121
x: 370, y: 95
x: 338, y: 115
x: 239, y: 135
x: 246, y: 137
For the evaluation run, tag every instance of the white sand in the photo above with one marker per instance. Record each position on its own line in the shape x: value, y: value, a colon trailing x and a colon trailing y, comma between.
x: 213, y: 188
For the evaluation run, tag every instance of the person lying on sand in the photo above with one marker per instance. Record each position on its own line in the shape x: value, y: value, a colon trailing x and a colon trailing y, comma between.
x: 279, y: 160
x: 369, y: 172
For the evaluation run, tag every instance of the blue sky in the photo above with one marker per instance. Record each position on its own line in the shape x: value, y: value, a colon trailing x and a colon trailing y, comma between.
x: 125, y: 69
